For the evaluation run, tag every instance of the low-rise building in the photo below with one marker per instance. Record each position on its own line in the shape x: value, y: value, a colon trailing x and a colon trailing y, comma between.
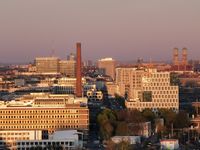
x: 94, y: 95
x: 67, y: 139
x: 172, y: 144
x: 27, y: 139
x: 8, y: 138
x: 129, y: 139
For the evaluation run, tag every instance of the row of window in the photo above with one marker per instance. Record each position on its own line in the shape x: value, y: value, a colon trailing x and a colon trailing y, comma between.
x: 14, y: 133
x: 164, y: 96
x: 40, y: 126
x: 14, y: 138
x: 130, y: 104
x: 165, y: 100
x: 161, y: 88
x: 157, y: 84
x: 38, y: 111
x: 166, y: 92
x: 38, y: 121
x: 69, y: 143
x: 40, y: 116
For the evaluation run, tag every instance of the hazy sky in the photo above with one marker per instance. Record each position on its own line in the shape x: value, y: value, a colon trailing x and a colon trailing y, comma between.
x: 122, y: 29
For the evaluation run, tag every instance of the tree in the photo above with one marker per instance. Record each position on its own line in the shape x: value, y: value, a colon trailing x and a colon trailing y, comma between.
x: 134, y: 116
x: 121, y: 100
x: 121, y: 115
x: 148, y: 115
x: 102, y: 119
x: 106, y: 131
x: 169, y: 116
x: 182, y: 120
x: 123, y: 145
x: 122, y: 129
x: 107, y: 121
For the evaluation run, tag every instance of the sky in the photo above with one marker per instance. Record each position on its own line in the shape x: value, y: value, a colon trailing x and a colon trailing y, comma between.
x: 122, y: 29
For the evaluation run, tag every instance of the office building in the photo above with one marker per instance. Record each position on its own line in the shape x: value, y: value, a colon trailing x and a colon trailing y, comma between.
x: 147, y: 88
x: 43, y: 111
x: 108, y: 65
x: 48, y: 65
x: 67, y: 67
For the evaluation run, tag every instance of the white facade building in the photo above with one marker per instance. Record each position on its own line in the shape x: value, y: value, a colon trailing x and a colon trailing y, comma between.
x: 171, y: 144
x: 148, y: 88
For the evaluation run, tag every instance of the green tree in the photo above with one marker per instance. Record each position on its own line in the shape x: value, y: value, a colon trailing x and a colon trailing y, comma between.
x: 107, y: 122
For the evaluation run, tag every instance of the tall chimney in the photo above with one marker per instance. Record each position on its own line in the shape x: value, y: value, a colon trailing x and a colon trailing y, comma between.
x: 78, y: 71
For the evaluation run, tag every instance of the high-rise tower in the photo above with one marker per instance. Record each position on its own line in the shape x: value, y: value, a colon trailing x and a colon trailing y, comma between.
x: 78, y: 71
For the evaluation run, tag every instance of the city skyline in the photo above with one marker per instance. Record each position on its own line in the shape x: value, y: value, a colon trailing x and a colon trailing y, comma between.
x: 122, y: 30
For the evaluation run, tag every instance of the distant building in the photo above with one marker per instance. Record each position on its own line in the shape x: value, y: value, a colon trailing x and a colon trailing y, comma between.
x: 147, y: 88
x: 130, y: 139
x: 171, y: 144
x: 108, y: 65
x: 94, y: 95
x: 47, y: 64
x: 114, y: 88
x: 67, y: 67
x: 175, y: 56
x: 71, y: 57
x: 19, y: 82
x: 52, y: 65
x: 180, y: 64
x: 144, y: 129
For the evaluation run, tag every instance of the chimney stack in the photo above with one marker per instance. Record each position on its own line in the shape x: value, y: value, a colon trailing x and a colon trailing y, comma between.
x: 78, y: 71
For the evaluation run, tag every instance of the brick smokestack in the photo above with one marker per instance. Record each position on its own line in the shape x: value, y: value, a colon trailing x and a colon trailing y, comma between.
x: 78, y: 71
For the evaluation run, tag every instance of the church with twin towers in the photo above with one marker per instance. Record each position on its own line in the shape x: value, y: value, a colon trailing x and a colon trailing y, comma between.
x: 181, y: 63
